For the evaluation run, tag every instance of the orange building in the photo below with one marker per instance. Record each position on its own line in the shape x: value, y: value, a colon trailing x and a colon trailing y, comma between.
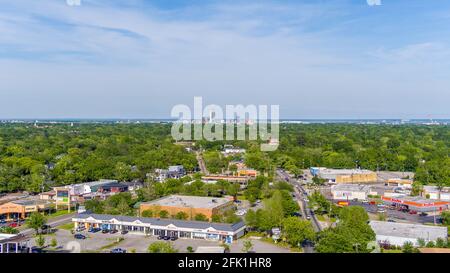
x: 191, y: 205
x: 21, y: 209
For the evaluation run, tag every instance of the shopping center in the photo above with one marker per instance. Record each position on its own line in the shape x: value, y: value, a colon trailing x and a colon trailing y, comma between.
x: 226, y: 233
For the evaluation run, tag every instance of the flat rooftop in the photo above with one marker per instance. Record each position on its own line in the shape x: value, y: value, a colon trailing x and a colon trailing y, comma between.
x: 417, y: 199
x: 350, y: 187
x: 189, y: 201
x: 326, y: 171
x: 406, y: 230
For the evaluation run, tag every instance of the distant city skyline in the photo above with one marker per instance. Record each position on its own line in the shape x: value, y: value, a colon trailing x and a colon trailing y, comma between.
x: 331, y: 59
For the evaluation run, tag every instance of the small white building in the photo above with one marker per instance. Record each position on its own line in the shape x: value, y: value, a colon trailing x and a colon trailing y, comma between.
x: 350, y: 192
x: 393, y: 233
x: 432, y: 192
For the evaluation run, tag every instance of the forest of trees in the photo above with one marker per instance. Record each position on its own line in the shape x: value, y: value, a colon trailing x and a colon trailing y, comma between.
x: 62, y: 154
x: 65, y: 155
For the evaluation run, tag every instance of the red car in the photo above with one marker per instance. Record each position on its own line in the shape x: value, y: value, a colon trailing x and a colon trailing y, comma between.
x: 13, y: 225
x: 412, y: 212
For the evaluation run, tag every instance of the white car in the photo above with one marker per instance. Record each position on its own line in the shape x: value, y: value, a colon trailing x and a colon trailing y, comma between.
x: 241, y: 212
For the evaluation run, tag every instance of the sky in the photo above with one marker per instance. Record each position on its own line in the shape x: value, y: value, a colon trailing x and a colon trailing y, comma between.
x: 323, y: 59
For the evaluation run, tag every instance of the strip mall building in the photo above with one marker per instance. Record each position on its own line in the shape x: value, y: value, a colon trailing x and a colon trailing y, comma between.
x: 418, y: 204
x: 226, y: 233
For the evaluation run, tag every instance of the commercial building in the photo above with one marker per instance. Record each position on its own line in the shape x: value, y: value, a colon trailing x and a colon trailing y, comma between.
x: 191, y: 205
x: 433, y: 192
x: 417, y: 203
x: 113, y: 188
x: 12, y: 243
x: 173, y: 172
x: 345, y: 176
x: 226, y: 233
x: 21, y: 209
x: 392, y: 233
x: 350, y: 192
x: 241, y: 180
x: 398, y: 182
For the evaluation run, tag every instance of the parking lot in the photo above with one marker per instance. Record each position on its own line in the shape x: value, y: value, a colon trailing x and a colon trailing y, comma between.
x: 99, y: 242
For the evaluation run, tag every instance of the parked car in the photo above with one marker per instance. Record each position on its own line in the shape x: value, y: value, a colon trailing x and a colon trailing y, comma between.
x: 390, y: 220
x: 161, y: 237
x: 13, y: 224
x: 123, y: 232
x: 104, y: 231
x: 412, y: 212
x: 2, y: 221
x: 118, y: 250
x: 166, y: 238
x: 112, y: 231
x: 94, y: 230
x: 173, y: 238
x: 79, y: 236
x: 423, y: 214
x: 35, y: 249
x: 308, y: 217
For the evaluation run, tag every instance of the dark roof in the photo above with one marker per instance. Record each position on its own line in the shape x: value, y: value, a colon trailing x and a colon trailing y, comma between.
x: 113, y: 185
x: 165, y: 222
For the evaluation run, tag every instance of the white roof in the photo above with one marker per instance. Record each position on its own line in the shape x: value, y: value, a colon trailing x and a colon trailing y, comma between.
x: 189, y: 201
x: 210, y: 249
x: 406, y: 230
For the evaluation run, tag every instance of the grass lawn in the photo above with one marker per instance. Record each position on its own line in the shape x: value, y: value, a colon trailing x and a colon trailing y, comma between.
x: 57, y: 213
x: 282, y: 244
x: 68, y: 226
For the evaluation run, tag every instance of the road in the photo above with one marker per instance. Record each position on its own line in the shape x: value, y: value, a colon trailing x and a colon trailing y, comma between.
x: 201, y: 163
x: 300, y: 197
x: 53, y: 222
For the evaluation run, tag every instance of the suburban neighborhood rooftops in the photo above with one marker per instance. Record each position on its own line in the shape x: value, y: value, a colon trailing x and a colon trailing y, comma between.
x: 189, y: 201
x: 164, y: 222
x: 406, y: 230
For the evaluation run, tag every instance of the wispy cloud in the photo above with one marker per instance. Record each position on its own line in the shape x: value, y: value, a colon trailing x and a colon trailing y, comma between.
x: 141, y: 57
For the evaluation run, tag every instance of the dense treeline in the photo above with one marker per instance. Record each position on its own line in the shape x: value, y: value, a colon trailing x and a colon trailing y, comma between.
x: 65, y: 154
x: 424, y: 149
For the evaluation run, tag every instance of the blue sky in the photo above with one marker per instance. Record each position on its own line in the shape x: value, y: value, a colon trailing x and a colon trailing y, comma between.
x: 137, y: 59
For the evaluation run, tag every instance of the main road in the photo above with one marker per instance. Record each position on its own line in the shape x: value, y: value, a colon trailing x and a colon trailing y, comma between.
x: 300, y: 197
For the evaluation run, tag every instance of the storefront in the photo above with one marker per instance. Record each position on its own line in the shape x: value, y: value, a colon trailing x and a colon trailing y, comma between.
x: 163, y: 227
x: 417, y: 204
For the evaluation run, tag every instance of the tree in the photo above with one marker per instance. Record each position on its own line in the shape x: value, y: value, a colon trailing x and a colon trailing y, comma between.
x: 40, y: 241
x: 147, y: 213
x: 251, y: 219
x: 247, y: 246
x: 53, y: 242
x: 189, y: 249
x: 352, y: 233
x: 35, y: 221
x: 181, y: 215
x: 296, y: 231
x: 164, y: 214
x: 445, y: 215
x: 161, y: 247
x: 94, y: 205
x: 200, y: 217
x: 408, y: 247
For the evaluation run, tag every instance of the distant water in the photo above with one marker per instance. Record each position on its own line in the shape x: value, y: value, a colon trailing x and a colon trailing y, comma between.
x: 287, y: 121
